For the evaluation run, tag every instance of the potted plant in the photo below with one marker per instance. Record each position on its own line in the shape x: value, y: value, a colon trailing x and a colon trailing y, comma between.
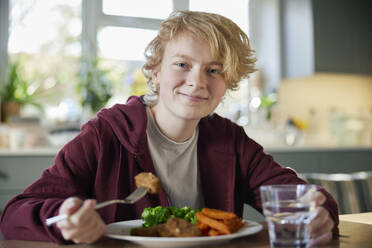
x: 16, y: 92
x: 95, y: 88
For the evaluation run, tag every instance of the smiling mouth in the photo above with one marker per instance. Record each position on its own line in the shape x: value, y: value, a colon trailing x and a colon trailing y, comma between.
x: 194, y: 98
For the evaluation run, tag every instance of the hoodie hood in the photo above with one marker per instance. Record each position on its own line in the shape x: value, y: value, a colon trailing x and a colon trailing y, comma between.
x: 128, y: 122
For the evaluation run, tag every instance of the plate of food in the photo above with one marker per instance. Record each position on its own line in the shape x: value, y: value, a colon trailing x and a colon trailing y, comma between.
x: 177, y: 232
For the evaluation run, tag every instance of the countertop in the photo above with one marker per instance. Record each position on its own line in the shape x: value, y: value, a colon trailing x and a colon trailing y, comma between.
x: 52, y: 151
x: 37, y: 151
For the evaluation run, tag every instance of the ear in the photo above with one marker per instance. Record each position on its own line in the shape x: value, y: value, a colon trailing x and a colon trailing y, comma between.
x: 155, y: 75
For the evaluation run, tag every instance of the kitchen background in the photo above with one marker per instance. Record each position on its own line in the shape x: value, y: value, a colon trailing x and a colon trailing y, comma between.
x: 309, y: 104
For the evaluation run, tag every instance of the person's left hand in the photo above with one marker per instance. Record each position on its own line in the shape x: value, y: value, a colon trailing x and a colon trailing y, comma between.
x: 321, y: 226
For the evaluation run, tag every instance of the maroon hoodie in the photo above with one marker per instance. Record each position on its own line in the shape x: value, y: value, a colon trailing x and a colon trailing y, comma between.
x: 112, y: 148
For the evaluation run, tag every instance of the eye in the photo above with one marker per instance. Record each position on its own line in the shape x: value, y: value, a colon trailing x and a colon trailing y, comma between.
x: 182, y: 65
x: 214, y: 71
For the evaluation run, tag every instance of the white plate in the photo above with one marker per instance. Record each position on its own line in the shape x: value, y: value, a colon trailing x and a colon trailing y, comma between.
x: 121, y: 230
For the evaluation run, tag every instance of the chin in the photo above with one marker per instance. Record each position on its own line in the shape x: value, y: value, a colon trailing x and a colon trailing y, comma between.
x: 192, y: 115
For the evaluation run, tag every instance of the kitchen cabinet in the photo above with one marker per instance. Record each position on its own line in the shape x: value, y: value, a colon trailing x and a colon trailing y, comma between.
x: 325, y: 36
x: 342, y: 36
x: 19, y: 171
x: 325, y: 160
x: 294, y: 39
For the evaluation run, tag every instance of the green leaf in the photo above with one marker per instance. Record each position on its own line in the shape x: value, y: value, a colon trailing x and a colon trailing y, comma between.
x: 95, y: 86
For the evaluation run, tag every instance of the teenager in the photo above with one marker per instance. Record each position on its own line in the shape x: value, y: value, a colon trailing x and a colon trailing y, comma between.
x: 201, y: 158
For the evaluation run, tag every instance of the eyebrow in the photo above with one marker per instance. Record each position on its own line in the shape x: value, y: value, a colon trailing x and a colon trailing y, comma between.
x: 183, y: 56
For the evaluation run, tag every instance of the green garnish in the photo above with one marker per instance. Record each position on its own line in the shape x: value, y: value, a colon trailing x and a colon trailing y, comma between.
x: 160, y: 215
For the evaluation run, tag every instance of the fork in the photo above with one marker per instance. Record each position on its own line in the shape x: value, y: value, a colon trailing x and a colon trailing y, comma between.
x: 132, y: 198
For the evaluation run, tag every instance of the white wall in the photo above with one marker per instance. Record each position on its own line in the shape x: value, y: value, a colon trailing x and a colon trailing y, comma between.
x: 347, y: 95
x: 4, y: 20
x: 264, y: 33
x: 297, y: 38
x: 282, y: 34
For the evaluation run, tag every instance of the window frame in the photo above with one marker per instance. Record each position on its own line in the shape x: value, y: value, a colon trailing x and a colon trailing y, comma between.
x: 94, y: 18
x: 4, y: 36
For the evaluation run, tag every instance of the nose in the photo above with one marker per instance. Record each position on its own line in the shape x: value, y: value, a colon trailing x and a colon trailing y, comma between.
x: 197, y: 79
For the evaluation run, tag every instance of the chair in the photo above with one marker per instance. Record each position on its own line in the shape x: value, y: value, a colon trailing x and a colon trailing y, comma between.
x: 353, y: 192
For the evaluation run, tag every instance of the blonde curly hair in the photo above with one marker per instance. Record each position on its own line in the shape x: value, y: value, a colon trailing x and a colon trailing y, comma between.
x: 228, y: 43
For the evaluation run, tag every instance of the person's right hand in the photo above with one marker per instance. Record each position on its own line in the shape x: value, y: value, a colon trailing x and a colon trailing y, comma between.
x: 84, y: 224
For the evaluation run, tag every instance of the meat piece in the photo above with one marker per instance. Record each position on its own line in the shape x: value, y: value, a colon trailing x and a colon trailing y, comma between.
x: 145, y: 231
x: 175, y: 227
x: 163, y: 231
x: 149, y: 181
x: 179, y: 227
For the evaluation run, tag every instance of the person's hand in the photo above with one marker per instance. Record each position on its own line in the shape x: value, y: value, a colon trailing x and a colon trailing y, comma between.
x: 84, y: 224
x: 321, y: 226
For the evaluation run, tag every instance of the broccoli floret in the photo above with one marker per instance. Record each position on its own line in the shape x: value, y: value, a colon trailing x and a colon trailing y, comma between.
x: 159, y: 215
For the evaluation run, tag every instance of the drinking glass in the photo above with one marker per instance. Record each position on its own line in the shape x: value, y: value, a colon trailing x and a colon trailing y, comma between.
x: 288, y: 210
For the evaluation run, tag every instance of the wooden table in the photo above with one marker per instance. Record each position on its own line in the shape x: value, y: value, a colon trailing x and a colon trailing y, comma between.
x: 352, y: 235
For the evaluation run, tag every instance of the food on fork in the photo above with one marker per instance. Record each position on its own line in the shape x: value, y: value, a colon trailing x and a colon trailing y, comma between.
x: 149, y: 181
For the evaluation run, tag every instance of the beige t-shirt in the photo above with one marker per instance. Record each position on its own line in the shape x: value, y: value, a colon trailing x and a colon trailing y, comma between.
x: 176, y: 166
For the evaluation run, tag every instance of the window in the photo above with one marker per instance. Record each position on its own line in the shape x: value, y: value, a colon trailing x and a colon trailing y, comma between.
x: 139, y: 8
x: 238, y: 11
x: 124, y: 43
x: 44, y: 41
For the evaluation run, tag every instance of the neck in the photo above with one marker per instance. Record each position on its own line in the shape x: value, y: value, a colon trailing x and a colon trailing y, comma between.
x: 177, y: 129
